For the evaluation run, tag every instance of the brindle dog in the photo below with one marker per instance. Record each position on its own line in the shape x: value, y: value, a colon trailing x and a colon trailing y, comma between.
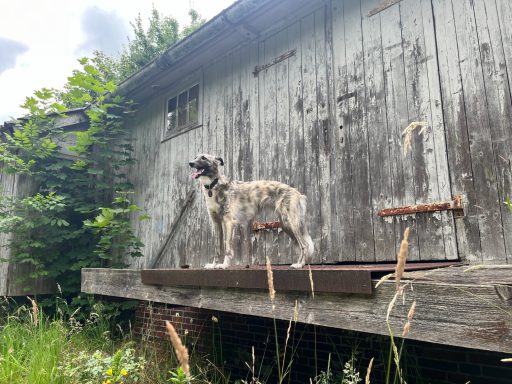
x: 232, y: 202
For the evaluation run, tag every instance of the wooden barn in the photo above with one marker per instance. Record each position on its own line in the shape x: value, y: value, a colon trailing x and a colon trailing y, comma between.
x: 317, y: 94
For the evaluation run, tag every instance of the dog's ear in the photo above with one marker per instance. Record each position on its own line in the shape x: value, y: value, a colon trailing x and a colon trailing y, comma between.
x: 219, y: 159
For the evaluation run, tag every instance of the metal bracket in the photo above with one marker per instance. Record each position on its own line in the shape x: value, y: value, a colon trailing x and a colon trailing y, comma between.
x: 284, y: 56
x: 454, y: 205
x: 262, y: 226
x: 386, y: 4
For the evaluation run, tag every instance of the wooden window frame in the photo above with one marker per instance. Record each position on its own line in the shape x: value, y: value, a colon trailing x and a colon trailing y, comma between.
x: 177, y: 90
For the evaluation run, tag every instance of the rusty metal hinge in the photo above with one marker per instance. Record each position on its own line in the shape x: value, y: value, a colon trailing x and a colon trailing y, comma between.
x: 284, y: 56
x: 454, y: 205
x: 262, y: 226
x: 386, y: 4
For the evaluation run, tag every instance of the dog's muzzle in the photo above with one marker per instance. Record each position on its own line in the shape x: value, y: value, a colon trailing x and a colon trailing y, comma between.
x: 198, y: 172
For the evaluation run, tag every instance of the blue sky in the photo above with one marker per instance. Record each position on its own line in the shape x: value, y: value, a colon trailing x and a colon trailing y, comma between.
x: 41, y: 40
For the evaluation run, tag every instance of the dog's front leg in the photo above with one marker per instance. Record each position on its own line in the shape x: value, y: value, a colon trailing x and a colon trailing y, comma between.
x: 219, y: 246
x: 227, y: 230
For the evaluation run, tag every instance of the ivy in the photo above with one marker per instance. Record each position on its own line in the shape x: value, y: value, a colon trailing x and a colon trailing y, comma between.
x: 59, y: 229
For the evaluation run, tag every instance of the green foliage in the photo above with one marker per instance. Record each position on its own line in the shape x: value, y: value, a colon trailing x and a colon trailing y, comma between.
x: 147, y: 44
x: 508, y: 203
x: 116, y: 234
x: 100, y: 367
x: 179, y: 377
x: 49, y: 226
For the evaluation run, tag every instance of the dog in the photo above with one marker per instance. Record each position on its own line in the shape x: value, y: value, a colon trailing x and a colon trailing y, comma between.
x: 232, y: 202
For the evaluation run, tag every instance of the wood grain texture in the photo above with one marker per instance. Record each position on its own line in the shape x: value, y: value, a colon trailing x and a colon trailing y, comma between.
x: 381, y: 181
x: 329, y: 120
x: 478, y: 317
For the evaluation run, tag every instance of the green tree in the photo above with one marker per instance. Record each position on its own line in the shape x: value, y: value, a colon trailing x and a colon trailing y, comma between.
x: 147, y: 44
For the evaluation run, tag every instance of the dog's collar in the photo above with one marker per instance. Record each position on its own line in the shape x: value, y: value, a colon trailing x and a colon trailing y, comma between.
x: 210, y: 187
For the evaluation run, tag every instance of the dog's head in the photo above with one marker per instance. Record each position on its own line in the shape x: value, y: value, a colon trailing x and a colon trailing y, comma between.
x: 206, y: 166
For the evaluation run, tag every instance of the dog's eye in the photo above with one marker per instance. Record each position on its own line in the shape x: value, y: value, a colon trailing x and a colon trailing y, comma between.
x: 203, y: 158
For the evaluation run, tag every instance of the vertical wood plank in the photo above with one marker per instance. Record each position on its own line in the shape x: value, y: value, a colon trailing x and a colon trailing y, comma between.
x: 379, y: 137
x: 311, y: 188
x: 324, y: 128
x: 268, y: 137
x: 398, y: 118
x: 282, y: 138
x: 484, y: 169
x: 296, y: 122
x: 499, y: 105
x: 457, y: 140
x: 342, y: 233
x: 423, y: 151
x: 262, y: 155
x: 363, y: 220
x: 443, y: 188
x: 236, y: 145
x: 253, y: 169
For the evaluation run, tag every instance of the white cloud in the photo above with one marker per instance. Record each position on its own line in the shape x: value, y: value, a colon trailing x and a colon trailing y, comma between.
x: 10, y: 51
x: 105, y: 31
x: 57, y: 32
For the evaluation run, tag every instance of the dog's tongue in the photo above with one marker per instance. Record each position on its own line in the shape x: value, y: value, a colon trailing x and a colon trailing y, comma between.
x: 197, y: 173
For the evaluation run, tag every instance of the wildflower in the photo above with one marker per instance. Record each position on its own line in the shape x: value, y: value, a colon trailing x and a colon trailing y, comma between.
x: 109, y: 372
x: 123, y: 372
x: 214, y: 319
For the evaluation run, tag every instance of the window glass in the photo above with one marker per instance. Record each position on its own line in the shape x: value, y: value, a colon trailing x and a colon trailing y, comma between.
x: 171, y: 114
x: 182, y: 109
x: 193, y: 104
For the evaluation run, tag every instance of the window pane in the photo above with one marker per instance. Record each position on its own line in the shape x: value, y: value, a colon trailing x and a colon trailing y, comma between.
x: 171, y: 114
x: 182, y: 108
x: 193, y: 104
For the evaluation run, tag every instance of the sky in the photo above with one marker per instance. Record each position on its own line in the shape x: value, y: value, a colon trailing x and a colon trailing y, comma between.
x: 41, y: 40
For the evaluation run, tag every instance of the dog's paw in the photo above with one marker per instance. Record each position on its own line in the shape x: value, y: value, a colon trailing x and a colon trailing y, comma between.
x: 210, y: 266
x: 221, y: 266
x: 297, y: 265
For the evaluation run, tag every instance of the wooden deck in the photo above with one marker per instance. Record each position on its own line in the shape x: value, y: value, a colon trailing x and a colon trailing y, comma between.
x: 470, y: 309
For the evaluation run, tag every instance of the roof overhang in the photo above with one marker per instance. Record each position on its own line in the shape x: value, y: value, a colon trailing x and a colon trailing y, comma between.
x: 242, y: 22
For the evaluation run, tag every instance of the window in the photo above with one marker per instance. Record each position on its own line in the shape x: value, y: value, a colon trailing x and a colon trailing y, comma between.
x: 182, y: 111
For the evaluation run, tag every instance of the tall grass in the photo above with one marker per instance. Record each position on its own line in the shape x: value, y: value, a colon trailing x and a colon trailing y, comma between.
x: 30, y: 353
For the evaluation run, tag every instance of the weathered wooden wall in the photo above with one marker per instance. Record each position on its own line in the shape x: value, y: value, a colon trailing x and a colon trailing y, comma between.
x: 12, y: 276
x: 329, y: 120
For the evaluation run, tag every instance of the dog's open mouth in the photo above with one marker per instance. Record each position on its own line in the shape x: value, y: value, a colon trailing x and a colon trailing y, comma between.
x: 197, y: 173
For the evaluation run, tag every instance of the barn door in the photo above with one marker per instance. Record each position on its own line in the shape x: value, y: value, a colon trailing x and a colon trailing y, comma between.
x: 386, y: 76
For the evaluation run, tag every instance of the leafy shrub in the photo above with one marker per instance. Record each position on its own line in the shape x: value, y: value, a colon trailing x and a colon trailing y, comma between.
x: 122, y: 366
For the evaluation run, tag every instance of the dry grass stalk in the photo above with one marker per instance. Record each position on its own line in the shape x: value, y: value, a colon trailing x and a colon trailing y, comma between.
x: 368, y: 372
x: 270, y: 279
x: 507, y: 360
x: 35, y: 311
x: 410, y: 315
x: 392, y: 303
x: 402, y: 258
x: 179, y: 348
x: 296, y: 311
x: 311, y: 281
x: 384, y: 278
x: 407, y: 134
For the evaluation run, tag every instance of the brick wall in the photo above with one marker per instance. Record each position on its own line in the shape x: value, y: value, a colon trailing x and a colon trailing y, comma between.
x: 228, y: 339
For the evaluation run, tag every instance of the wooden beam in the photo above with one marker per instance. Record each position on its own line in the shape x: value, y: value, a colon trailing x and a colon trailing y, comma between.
x: 467, y: 315
x: 324, y: 280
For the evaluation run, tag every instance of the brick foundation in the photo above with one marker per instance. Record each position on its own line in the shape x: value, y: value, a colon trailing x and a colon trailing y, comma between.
x: 229, y: 338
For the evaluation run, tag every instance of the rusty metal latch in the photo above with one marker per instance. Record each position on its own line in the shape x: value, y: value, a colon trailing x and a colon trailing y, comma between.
x: 278, y: 59
x: 454, y: 205
x: 262, y: 226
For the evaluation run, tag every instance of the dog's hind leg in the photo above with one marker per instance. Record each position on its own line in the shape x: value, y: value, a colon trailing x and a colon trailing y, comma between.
x: 294, y: 223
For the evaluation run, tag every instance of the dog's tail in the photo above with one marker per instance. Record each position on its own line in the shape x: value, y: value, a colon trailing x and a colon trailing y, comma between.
x: 303, y: 212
